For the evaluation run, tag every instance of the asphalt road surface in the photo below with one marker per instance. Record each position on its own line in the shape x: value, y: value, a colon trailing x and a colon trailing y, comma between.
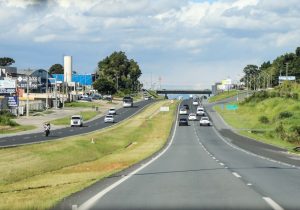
x: 97, y: 124
x: 198, y: 169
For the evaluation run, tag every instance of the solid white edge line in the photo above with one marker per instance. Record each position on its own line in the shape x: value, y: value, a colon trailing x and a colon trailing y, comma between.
x: 251, y: 153
x: 236, y: 175
x: 89, y: 203
x: 273, y: 204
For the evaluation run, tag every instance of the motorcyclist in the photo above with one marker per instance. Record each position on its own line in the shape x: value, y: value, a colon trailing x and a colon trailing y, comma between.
x: 47, y: 128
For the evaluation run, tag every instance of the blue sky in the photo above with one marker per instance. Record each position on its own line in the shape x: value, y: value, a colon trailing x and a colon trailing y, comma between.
x: 186, y: 43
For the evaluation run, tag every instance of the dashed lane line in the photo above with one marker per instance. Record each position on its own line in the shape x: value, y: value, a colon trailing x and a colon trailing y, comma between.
x: 272, y: 203
x: 236, y: 175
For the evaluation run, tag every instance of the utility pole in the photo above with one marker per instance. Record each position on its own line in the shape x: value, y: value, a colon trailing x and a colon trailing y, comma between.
x: 286, y: 71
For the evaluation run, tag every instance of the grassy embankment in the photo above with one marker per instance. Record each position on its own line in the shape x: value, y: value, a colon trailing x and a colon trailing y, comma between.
x: 223, y: 95
x: 87, y: 115
x: 272, y: 117
x: 8, y: 125
x: 29, y: 174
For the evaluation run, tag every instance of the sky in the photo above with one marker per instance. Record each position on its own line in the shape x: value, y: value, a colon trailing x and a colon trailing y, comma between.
x: 186, y: 43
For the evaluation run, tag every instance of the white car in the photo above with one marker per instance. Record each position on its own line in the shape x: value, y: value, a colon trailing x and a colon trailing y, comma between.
x: 200, y: 111
x: 112, y: 111
x: 182, y: 111
x: 205, y: 121
x: 192, y: 116
x: 76, y: 120
x: 195, y: 103
x: 109, y: 119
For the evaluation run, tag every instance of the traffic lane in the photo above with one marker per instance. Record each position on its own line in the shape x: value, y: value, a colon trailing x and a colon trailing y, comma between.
x: 94, y: 125
x: 185, y: 177
x: 274, y: 180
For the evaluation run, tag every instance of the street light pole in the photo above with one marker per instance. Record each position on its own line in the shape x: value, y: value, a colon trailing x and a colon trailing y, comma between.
x: 47, y: 91
x: 27, y: 98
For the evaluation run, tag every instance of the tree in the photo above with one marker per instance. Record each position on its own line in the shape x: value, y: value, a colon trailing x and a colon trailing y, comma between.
x: 56, y: 69
x: 5, y: 61
x: 104, y: 86
x: 298, y: 52
x: 120, y: 71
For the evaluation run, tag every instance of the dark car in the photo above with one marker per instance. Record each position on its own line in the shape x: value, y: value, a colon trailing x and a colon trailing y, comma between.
x: 186, y: 106
x: 183, y: 121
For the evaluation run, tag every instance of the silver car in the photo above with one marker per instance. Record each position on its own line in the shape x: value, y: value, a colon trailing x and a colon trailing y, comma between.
x: 109, y: 119
x: 205, y: 121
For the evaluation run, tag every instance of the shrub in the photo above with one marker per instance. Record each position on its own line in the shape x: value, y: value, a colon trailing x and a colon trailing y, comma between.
x: 264, y: 119
x: 295, y: 129
x: 6, y: 120
x: 273, y: 94
x: 286, y: 114
x: 280, y: 131
x: 295, y: 96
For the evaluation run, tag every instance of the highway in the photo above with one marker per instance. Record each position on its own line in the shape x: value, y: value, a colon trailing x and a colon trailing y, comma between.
x: 122, y: 113
x: 198, y: 169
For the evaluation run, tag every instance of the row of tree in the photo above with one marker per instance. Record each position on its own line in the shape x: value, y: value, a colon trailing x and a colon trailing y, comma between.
x: 268, y: 73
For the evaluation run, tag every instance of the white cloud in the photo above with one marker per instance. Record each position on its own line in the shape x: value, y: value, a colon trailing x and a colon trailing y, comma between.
x: 161, y: 31
x: 45, y: 38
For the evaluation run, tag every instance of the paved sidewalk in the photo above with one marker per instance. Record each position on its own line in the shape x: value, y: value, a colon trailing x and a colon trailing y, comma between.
x: 38, y: 121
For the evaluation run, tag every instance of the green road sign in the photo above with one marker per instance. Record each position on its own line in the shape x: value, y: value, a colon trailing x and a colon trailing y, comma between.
x: 231, y: 106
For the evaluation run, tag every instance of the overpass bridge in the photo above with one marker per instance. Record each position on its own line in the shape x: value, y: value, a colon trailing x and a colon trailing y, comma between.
x: 166, y: 91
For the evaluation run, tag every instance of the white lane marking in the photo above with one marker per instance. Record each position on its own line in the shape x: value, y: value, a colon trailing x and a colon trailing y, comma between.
x: 250, y: 153
x: 213, y: 157
x: 272, y: 203
x: 222, y: 164
x: 89, y: 203
x: 249, y: 184
x: 236, y: 175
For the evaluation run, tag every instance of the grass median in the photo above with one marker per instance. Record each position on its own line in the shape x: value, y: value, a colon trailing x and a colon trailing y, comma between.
x: 15, y: 129
x: 87, y: 115
x: 83, y: 104
x: 38, y: 176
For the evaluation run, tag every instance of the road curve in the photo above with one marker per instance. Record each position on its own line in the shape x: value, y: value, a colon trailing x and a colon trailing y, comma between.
x: 122, y: 113
x: 199, y: 170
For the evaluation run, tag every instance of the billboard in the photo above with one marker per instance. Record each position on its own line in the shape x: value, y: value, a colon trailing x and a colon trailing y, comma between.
x: 33, y: 82
x: 7, y: 86
x: 287, y: 78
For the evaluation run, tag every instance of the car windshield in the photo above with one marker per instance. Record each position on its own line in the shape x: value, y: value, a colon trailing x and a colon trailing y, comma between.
x: 75, y: 118
x: 109, y: 116
x: 204, y: 118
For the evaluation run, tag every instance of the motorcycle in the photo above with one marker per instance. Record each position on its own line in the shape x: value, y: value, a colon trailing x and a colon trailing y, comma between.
x: 47, y: 129
x: 47, y: 132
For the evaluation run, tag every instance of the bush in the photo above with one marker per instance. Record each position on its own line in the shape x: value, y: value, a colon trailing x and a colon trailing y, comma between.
x: 295, y: 96
x: 6, y: 120
x: 295, y: 129
x: 264, y: 119
x: 280, y: 131
x: 286, y: 114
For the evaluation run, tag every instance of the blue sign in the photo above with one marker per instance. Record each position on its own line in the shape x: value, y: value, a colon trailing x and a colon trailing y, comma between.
x: 231, y: 107
x: 13, y: 101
